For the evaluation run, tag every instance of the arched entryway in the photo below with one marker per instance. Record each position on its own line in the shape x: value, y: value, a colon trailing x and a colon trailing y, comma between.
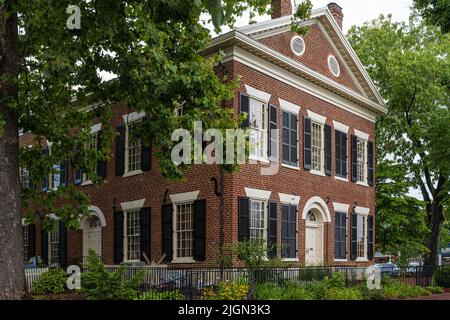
x: 92, y: 231
x: 315, y: 214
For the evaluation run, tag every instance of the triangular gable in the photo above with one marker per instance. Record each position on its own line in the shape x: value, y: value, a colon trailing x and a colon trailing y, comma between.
x: 345, y: 53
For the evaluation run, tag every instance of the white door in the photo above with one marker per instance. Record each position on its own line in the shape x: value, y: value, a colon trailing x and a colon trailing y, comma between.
x: 92, y: 236
x: 311, y: 245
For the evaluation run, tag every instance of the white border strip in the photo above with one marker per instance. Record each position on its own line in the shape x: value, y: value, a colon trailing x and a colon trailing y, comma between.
x: 362, y: 211
x: 289, y: 106
x: 258, y: 94
x: 361, y: 135
x: 341, y: 207
x: 340, y: 127
x: 184, y: 197
x: 317, y: 117
x: 289, y: 199
x: 257, y: 194
x: 132, y: 205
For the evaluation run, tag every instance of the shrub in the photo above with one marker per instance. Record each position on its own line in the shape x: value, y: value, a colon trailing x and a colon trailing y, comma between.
x: 51, y: 282
x: 442, y: 277
x: 271, y: 291
x: 435, y: 289
x: 343, y: 294
x: 226, y: 291
x: 313, y: 274
x: 163, y: 295
x: 99, y: 284
x: 402, y: 291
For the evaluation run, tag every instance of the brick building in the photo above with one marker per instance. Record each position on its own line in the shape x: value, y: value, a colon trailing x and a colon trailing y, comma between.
x: 318, y: 208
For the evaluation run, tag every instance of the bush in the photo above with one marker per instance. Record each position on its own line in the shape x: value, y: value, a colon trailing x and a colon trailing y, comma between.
x: 313, y: 274
x: 442, y: 277
x: 271, y: 291
x: 51, y: 282
x: 226, y: 291
x: 99, y: 284
x: 435, y: 289
x: 343, y: 294
x: 402, y: 291
x: 163, y: 295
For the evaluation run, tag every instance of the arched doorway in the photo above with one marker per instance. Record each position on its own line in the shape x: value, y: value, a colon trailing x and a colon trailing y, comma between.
x: 314, y: 238
x: 92, y: 235
x: 315, y: 214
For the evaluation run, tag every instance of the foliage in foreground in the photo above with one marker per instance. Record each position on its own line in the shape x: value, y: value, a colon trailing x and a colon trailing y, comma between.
x: 99, y: 284
x: 51, y: 282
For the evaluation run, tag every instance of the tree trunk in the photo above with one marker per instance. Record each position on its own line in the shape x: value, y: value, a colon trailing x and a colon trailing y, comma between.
x: 435, y: 222
x: 11, y: 242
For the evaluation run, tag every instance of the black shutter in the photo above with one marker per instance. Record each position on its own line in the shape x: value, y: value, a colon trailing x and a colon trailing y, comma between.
x: 354, y: 237
x: 101, y: 164
x: 272, y: 230
x: 370, y: 235
x: 370, y: 163
x: 146, y: 157
x: 44, y: 245
x: 354, y: 158
x: 145, y: 232
x: 31, y: 240
x: 340, y: 235
x: 63, y: 173
x: 273, y: 139
x: 307, y: 143
x: 199, y: 230
x: 327, y: 134
x: 344, y: 137
x: 338, y: 153
x: 244, y: 107
x: 167, y: 231
x: 244, y: 219
x: 62, y: 244
x: 120, y: 151
x: 77, y: 173
x: 45, y: 183
x: 118, y: 237
x: 292, y: 238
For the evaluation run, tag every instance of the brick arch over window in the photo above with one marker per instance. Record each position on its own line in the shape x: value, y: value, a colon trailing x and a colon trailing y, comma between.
x: 319, y: 204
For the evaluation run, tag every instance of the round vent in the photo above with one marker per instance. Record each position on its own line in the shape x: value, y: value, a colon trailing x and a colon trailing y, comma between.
x: 298, y: 45
x: 333, y: 64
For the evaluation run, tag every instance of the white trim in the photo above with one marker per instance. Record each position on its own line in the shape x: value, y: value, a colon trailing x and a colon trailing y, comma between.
x: 361, y: 135
x: 24, y: 222
x: 258, y: 94
x: 86, y: 183
x: 94, y: 210
x: 341, y: 179
x: 340, y: 127
x: 317, y: 173
x: 183, y: 260
x: 294, y: 80
x: 362, y: 211
x: 341, y: 207
x: 132, y: 205
x: 289, y: 259
x: 289, y: 199
x: 298, y: 54
x: 133, y: 116
x: 289, y: 106
x: 361, y: 259
x: 132, y: 173
x: 317, y: 117
x: 290, y: 167
x: 317, y: 202
x: 330, y: 57
x: 257, y: 194
x: 96, y: 128
x: 178, y: 198
x: 53, y: 216
x: 340, y: 260
x: 363, y: 184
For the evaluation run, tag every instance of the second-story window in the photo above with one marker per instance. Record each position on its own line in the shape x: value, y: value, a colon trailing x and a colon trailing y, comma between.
x: 24, y: 178
x: 133, y: 150
x: 361, y: 149
x: 317, y: 146
x: 91, y: 144
x: 258, y: 119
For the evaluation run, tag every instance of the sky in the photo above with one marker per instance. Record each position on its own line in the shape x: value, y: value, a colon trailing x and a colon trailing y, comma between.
x: 356, y: 12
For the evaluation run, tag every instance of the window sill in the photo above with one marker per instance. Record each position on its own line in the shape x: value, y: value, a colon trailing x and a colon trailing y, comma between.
x: 183, y: 260
x: 317, y: 173
x: 364, y: 184
x: 132, y: 173
x: 263, y: 160
x: 362, y: 260
x: 341, y: 179
x: 290, y: 167
x: 340, y: 260
x: 86, y: 183
x: 289, y: 259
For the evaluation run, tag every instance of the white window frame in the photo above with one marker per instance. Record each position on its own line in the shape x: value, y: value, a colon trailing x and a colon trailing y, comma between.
x: 364, y: 213
x: 24, y: 177
x: 181, y: 199
x: 320, y: 172
x: 51, y: 258
x: 259, y: 152
x: 264, y: 204
x: 95, y: 129
x: 126, y: 236
x: 129, y: 119
x: 176, y: 258
x: 364, y: 164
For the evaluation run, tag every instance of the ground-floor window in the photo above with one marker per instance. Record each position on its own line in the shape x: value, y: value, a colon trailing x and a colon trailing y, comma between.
x: 132, y: 235
x: 184, y: 230
x: 53, y: 246
x: 361, y: 243
x: 258, y: 224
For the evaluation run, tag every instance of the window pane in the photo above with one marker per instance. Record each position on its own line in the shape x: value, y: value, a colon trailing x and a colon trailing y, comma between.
x: 184, y: 230
x: 133, y: 235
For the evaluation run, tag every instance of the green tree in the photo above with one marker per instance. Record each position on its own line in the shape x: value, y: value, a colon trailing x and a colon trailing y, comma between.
x: 436, y: 12
x: 410, y: 64
x: 51, y: 85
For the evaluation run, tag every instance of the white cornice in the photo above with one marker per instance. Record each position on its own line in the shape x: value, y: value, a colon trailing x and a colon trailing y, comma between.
x: 289, y: 106
x: 257, y: 94
x: 340, y: 127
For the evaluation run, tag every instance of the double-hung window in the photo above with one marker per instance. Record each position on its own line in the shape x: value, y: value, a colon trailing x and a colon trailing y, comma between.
x: 132, y: 243
x: 24, y: 178
x: 258, y: 122
x: 184, y: 230
x: 133, y: 150
x: 361, y: 160
x: 92, y: 144
x: 258, y: 220
x: 317, y: 147
x: 361, y: 238
x: 289, y: 139
x: 53, y: 246
x: 340, y: 235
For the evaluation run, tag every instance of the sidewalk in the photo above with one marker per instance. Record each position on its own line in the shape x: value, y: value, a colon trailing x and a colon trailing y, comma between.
x: 442, y: 296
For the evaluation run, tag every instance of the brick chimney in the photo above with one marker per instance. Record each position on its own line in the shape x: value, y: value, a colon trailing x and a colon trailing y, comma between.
x: 281, y: 8
x: 336, y: 11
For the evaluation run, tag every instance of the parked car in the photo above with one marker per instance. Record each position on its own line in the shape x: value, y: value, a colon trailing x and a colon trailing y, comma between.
x: 388, y: 268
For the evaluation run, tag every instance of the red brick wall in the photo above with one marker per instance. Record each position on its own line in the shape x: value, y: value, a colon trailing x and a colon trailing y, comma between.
x: 316, y: 53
